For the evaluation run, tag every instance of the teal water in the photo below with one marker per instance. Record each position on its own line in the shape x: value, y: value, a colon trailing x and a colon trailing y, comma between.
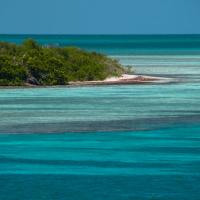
x: 120, y: 44
x: 138, y: 142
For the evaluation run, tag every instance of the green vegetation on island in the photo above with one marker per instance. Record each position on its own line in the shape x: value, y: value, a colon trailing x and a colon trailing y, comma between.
x: 31, y: 63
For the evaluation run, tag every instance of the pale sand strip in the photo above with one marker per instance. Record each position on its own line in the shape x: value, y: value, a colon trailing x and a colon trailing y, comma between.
x: 125, y: 79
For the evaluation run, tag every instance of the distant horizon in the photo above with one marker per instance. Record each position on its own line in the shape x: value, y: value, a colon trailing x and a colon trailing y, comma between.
x: 114, y: 34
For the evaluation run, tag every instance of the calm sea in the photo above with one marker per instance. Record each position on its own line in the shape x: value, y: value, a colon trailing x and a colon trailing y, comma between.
x: 134, y: 142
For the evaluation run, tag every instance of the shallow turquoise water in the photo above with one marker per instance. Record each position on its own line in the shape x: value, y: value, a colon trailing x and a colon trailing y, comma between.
x: 157, y: 164
x: 109, y: 142
x: 133, y: 107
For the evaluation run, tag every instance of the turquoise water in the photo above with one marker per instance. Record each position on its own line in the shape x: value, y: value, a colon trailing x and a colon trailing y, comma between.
x: 138, y: 142
x: 120, y: 44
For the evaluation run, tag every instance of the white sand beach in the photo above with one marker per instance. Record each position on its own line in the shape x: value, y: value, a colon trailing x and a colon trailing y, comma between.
x: 125, y: 79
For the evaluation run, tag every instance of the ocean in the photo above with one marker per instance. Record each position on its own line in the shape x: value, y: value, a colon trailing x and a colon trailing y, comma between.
x: 124, y: 142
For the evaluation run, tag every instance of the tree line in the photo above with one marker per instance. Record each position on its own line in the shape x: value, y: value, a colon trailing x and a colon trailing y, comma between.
x: 32, y: 63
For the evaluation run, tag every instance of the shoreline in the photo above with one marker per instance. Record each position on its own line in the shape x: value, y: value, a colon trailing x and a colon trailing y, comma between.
x: 125, y: 79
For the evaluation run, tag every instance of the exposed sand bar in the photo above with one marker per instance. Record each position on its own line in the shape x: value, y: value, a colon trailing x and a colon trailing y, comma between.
x: 125, y: 79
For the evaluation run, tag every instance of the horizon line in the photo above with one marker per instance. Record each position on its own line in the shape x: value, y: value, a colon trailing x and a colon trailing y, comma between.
x: 103, y: 34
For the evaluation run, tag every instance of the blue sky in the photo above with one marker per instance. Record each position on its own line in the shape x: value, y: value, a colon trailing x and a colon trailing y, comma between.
x: 100, y: 16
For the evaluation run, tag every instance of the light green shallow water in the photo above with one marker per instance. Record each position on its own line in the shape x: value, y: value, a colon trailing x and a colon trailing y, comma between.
x: 98, y: 108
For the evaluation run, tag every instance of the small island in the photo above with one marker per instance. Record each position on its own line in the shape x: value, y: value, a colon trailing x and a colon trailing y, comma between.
x: 31, y: 64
